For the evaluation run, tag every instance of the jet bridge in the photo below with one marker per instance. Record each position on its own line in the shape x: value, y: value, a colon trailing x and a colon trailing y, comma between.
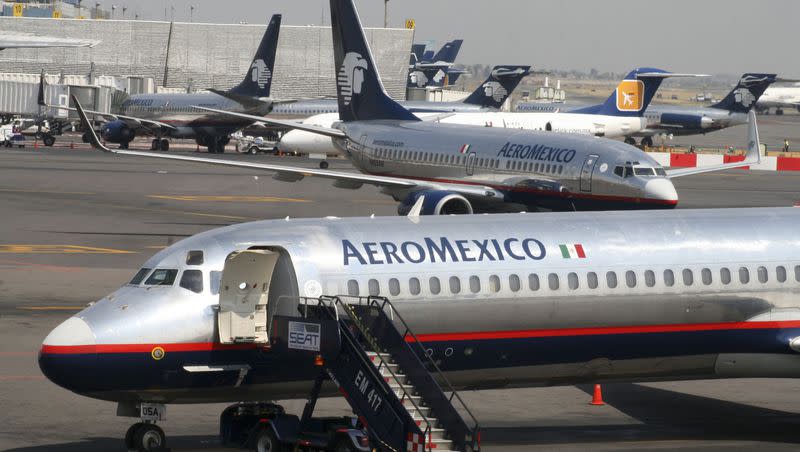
x: 382, y: 369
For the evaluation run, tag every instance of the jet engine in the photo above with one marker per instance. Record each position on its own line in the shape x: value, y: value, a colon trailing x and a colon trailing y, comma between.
x: 118, y: 132
x: 436, y: 202
x: 686, y: 121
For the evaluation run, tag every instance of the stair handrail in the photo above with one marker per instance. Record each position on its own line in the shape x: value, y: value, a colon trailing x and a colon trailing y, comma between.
x: 381, y: 303
x: 337, y: 302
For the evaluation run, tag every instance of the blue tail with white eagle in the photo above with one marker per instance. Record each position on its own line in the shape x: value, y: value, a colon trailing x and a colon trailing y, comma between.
x: 258, y: 81
x: 501, y: 83
x: 361, y: 94
x: 745, y: 94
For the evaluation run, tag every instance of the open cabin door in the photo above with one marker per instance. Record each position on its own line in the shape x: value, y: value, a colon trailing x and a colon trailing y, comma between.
x: 243, y: 295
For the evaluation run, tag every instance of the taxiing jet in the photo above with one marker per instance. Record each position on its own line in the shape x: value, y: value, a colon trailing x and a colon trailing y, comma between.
x: 779, y: 98
x: 174, y: 115
x: 490, y: 95
x: 465, y: 169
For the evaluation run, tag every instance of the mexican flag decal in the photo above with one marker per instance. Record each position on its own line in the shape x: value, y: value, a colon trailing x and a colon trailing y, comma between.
x: 464, y: 149
x: 572, y: 251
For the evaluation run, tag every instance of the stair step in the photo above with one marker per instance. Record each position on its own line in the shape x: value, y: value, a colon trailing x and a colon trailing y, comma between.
x: 373, y: 356
x: 437, y: 433
x: 432, y: 421
x: 439, y: 444
x: 397, y: 378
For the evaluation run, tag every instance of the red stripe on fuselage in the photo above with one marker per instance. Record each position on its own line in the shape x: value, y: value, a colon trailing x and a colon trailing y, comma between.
x: 144, y: 348
x: 603, y: 330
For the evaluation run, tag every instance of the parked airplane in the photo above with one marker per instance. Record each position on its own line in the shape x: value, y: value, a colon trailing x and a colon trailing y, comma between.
x: 174, y: 115
x: 490, y: 95
x: 621, y: 114
x: 508, y: 300
x: 428, y: 69
x: 466, y: 169
x: 26, y: 40
x: 779, y: 97
x: 679, y: 120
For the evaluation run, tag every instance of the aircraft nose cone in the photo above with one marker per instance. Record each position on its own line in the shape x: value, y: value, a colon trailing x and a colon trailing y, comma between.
x: 67, y: 357
x: 661, y: 190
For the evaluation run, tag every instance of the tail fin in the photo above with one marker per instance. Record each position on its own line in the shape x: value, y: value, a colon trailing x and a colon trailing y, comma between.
x: 416, y: 54
x: 496, y: 89
x: 360, y: 91
x: 448, y: 52
x: 258, y: 80
x: 427, y: 55
x: 40, y: 96
x: 746, y: 93
x: 633, y: 94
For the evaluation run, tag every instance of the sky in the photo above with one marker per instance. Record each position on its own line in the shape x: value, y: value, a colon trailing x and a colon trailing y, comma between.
x: 698, y: 36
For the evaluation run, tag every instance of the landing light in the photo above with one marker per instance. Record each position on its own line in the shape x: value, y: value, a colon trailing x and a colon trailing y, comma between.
x: 318, y: 361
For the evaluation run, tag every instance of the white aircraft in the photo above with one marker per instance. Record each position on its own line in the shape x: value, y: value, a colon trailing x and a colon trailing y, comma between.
x: 779, y: 98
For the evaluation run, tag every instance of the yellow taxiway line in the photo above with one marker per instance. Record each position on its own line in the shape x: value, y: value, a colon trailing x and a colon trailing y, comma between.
x: 58, y: 249
x: 227, y: 198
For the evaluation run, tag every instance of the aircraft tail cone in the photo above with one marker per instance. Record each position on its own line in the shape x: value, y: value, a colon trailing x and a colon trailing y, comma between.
x: 597, y: 396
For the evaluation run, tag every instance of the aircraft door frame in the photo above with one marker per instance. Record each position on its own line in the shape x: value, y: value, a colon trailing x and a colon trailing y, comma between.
x: 587, y: 172
x: 470, y: 164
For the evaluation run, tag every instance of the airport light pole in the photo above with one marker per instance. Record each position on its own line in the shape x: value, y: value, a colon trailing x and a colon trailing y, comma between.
x: 191, y: 13
x: 124, y: 9
x: 113, y: 10
x: 385, y: 13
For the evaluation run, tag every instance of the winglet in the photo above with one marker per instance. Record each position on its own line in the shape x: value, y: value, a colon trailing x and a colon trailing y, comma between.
x: 87, y: 127
x: 416, y: 209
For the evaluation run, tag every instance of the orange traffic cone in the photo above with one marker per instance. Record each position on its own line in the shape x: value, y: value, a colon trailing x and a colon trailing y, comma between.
x: 36, y: 144
x: 597, y: 397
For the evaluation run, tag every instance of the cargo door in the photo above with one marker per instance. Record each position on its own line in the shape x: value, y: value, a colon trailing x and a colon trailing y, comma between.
x: 243, y: 295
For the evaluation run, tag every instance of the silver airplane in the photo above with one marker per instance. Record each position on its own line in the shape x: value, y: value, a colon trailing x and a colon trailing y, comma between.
x: 509, y: 300
x: 466, y: 169
x: 173, y: 115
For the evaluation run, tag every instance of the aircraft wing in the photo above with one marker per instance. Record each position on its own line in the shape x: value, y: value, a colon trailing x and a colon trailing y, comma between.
x: 134, y: 121
x: 752, y: 157
x: 333, y: 133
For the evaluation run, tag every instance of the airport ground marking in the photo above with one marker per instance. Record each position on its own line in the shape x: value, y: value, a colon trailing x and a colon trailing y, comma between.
x: 227, y: 198
x: 20, y: 190
x: 58, y: 249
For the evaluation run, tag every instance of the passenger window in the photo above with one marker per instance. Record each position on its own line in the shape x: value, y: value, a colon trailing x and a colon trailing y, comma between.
x: 394, y: 287
x: 413, y: 286
x: 474, y: 284
x: 669, y: 278
x: 374, y: 287
x: 572, y: 280
x: 513, y: 283
x: 762, y: 275
x: 744, y: 275
x: 455, y: 284
x: 611, y: 280
x: 352, y: 288
x: 780, y: 273
x: 139, y: 276
x: 705, y: 275
x: 162, y: 277
x: 192, y: 280
x: 797, y: 273
x: 725, y: 275
x: 214, y: 279
x: 533, y: 282
x: 591, y: 280
x: 194, y: 258
x: 630, y: 278
x: 494, y: 283
x: 435, y: 285
x: 552, y: 281
x: 688, y: 277
x: 649, y: 278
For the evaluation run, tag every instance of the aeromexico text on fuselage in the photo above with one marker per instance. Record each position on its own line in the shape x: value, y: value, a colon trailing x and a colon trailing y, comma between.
x: 514, y: 150
x: 442, y: 249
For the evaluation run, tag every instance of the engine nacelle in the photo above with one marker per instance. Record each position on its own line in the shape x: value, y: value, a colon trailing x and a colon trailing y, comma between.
x: 437, y: 202
x: 118, y: 132
x: 686, y: 121
x: 302, y: 142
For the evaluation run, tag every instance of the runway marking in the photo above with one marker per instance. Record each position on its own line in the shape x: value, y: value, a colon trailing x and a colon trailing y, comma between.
x: 19, y: 190
x: 58, y: 249
x: 50, y: 308
x: 180, y: 212
x: 21, y: 377
x: 26, y: 265
x: 156, y: 247
x: 230, y: 198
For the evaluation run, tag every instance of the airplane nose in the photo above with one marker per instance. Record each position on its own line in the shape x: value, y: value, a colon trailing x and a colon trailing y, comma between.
x: 68, y: 355
x: 661, y: 189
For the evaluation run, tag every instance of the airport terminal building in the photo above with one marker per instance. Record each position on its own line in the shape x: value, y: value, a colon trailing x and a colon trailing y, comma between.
x: 200, y: 55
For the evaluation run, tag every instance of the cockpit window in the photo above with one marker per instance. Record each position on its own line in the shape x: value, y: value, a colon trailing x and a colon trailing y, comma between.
x: 194, y: 258
x: 643, y: 171
x: 139, y: 276
x: 660, y: 171
x: 162, y: 277
x: 623, y: 171
x: 192, y: 280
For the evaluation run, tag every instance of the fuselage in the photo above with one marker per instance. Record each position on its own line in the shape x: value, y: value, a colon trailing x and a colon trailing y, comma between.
x: 779, y: 97
x: 499, y: 300
x: 307, y: 108
x: 676, y: 120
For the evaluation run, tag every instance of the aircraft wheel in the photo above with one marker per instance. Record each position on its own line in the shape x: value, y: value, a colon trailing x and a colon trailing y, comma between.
x: 148, y: 437
x: 155, y: 144
x: 85, y: 138
x: 49, y: 140
x: 778, y: 112
x: 253, y: 150
x: 323, y: 164
x: 629, y: 140
x: 267, y: 442
x: 165, y: 145
x: 130, y: 434
x: 647, y: 141
x: 123, y: 145
x: 344, y: 446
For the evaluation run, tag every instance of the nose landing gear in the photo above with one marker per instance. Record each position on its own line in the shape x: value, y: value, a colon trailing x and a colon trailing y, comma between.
x: 145, y: 437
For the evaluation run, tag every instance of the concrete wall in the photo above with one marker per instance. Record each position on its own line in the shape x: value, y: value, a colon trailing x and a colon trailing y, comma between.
x: 213, y: 55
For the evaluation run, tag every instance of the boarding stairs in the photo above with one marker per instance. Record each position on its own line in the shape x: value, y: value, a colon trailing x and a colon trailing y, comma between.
x: 385, y: 374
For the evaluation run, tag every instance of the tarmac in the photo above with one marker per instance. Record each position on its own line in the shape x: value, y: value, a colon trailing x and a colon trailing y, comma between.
x: 77, y: 223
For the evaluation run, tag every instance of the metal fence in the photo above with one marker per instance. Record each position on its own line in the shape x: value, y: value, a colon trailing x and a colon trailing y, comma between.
x: 210, y: 55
